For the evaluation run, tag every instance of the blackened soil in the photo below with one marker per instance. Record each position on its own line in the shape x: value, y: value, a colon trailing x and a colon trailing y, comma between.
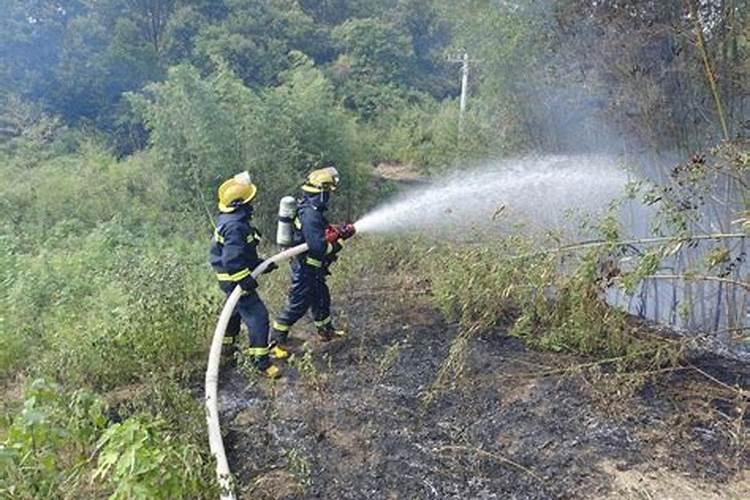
x: 362, y: 417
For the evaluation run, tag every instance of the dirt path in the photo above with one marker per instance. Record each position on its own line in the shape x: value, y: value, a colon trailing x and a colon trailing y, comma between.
x: 351, y: 422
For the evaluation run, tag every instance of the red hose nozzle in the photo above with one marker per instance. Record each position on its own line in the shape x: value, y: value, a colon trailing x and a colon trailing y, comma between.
x: 341, y: 231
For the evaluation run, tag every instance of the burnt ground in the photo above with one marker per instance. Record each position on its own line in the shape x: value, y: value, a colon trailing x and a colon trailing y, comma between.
x: 362, y: 417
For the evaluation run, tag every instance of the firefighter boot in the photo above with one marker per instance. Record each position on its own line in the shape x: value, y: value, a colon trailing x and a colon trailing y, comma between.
x: 279, y: 347
x: 266, y: 368
x: 278, y: 352
x: 328, y: 332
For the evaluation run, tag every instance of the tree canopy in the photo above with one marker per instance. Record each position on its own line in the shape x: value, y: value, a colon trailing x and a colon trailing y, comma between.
x: 561, y: 75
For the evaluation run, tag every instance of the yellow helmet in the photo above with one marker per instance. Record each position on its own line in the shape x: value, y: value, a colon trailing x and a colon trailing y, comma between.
x: 323, y: 179
x: 236, y: 191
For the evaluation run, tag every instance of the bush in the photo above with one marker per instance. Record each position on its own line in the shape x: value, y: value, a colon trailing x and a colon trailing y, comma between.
x: 139, y: 459
x: 204, y: 130
x: 80, y: 222
x: 119, y: 313
x: 52, y: 442
x: 425, y: 133
x: 91, y: 247
x: 552, y: 304
x: 66, y: 196
x: 49, y: 442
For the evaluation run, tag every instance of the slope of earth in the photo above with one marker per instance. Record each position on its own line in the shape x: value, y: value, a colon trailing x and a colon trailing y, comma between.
x: 363, y: 417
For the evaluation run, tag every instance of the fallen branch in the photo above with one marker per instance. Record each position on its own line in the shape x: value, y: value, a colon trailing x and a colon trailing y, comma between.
x: 581, y: 366
x: 583, y: 245
x: 736, y: 329
x: 494, y: 456
x: 737, y: 390
x: 691, y: 277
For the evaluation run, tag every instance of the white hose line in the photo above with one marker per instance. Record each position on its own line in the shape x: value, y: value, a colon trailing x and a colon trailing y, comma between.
x: 212, y: 375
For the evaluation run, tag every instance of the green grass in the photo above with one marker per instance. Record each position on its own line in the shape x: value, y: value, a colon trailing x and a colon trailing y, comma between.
x: 104, y: 285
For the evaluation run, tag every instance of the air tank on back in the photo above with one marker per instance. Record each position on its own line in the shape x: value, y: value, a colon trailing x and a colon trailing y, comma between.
x: 285, y: 227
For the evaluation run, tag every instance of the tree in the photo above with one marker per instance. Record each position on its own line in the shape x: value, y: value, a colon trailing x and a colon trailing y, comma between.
x: 430, y: 36
x: 256, y: 37
x: 374, y: 64
x: 334, y: 12
x: 31, y: 35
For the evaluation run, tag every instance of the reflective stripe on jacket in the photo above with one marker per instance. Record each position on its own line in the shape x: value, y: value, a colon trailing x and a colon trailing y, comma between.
x: 234, y: 252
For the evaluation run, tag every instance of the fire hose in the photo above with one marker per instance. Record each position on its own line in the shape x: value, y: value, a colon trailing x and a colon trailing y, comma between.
x: 212, y: 375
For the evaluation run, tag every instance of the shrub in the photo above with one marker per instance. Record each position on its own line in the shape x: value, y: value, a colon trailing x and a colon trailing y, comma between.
x: 53, y: 441
x: 206, y: 129
x: 138, y: 311
x: 49, y: 442
x: 550, y: 303
x: 139, y: 459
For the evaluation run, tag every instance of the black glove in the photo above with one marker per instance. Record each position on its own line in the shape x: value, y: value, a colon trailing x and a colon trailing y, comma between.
x: 346, y: 231
x: 248, y: 284
x: 271, y: 268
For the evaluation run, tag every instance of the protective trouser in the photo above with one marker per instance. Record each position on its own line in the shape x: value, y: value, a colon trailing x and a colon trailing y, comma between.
x: 252, y: 311
x: 307, y: 291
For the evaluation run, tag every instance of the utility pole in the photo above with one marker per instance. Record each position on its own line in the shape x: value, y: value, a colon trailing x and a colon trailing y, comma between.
x: 464, y: 60
x: 464, y: 82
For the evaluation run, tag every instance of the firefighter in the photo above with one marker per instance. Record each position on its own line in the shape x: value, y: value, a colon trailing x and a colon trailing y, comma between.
x: 309, y: 270
x: 233, y: 256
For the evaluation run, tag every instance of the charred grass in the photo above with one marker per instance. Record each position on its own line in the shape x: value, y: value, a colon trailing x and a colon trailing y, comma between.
x: 417, y: 404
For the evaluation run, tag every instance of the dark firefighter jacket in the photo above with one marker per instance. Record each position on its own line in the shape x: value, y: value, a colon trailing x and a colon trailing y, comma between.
x: 311, y: 224
x: 234, y: 249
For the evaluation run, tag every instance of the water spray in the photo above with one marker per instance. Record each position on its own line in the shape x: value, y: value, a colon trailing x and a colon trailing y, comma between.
x: 540, y: 193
